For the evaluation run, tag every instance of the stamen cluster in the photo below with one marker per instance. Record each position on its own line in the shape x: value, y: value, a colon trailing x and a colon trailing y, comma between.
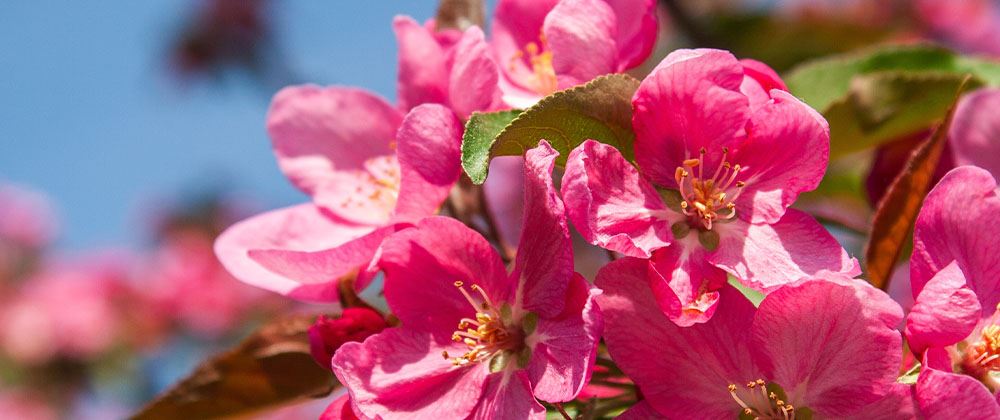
x: 707, y: 200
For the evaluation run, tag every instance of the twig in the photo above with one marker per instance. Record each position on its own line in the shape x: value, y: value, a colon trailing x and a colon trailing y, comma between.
x: 562, y: 411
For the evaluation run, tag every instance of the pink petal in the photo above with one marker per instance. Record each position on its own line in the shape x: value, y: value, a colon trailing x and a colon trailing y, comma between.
x: 954, y: 224
x: 691, y: 100
x: 636, y: 31
x: 515, y: 24
x: 611, y: 205
x: 565, y: 346
x: 365, y: 196
x: 836, y: 341
x: 766, y: 256
x: 785, y: 153
x: 474, y: 81
x: 685, y: 284
x: 322, y: 269
x: 944, y: 313
x: 504, y: 190
x: 683, y: 371
x: 900, y: 403
x: 430, y: 142
x: 544, y: 262
x: 642, y: 410
x: 317, y: 131
x: 974, y: 132
x: 758, y: 80
x: 508, y: 396
x: 421, y: 267
x: 303, y: 228
x: 944, y: 396
x: 581, y: 36
x: 339, y: 409
x: 423, y: 72
x: 400, y: 374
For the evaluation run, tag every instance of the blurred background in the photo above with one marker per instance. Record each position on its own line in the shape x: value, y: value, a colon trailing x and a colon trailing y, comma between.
x: 132, y: 133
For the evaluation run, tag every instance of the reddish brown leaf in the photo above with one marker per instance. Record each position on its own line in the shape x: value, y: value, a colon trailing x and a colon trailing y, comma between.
x: 898, y: 209
x: 460, y: 14
x: 272, y: 367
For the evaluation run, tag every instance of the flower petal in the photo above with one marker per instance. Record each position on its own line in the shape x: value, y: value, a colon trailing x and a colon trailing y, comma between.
x: 973, y: 133
x: 690, y: 100
x: 785, y: 154
x: 544, y: 262
x: 430, y: 142
x: 508, y: 396
x: 944, y: 395
x: 900, y: 403
x: 304, y: 227
x: 836, y: 341
x: 565, y: 347
x: 317, y: 131
x: 473, y: 83
x: 423, y: 72
x: 758, y: 80
x: 515, y: 24
x: 765, y: 256
x: 944, y: 313
x: 685, y: 284
x: 321, y: 269
x: 400, y: 374
x: 641, y: 410
x: 611, y: 204
x: 581, y: 36
x: 421, y: 267
x: 954, y: 224
x: 636, y: 31
x: 683, y: 371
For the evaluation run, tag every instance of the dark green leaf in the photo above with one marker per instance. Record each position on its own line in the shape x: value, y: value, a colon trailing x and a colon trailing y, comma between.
x: 480, y: 131
x: 600, y: 110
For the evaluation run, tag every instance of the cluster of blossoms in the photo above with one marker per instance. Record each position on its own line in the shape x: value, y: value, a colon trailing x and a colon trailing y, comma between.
x: 66, y: 318
x: 699, y: 221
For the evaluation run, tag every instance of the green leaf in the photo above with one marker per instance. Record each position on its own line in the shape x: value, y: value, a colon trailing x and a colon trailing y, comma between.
x: 480, y: 131
x: 888, y: 105
x: 600, y: 110
x: 876, y: 95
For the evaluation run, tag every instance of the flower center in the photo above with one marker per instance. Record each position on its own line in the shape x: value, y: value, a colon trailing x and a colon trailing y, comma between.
x: 983, y: 355
x: 544, y: 80
x: 490, y: 333
x: 761, y: 400
x: 706, y: 200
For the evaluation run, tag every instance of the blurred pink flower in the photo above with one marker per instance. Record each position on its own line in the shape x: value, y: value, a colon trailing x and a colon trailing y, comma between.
x: 547, y: 45
x: 728, y: 150
x: 534, y: 332
x: 66, y: 310
x: 826, y: 346
x: 970, y: 25
x: 183, y: 281
x: 22, y: 405
x: 26, y: 217
x: 954, y: 324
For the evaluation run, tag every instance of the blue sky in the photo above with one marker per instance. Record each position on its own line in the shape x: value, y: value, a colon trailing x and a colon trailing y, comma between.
x: 90, y: 115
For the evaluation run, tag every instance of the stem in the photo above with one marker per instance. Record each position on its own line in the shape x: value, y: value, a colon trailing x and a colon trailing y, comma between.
x: 562, y: 411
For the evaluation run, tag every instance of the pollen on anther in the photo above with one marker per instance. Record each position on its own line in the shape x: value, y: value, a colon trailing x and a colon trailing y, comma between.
x: 459, y: 283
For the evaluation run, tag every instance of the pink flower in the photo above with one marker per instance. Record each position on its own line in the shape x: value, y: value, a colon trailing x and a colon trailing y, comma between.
x: 26, y: 217
x: 971, y: 25
x: 955, y: 275
x: 476, y: 341
x: 825, y: 346
x: 546, y: 45
x: 445, y: 67
x: 328, y: 334
x: 369, y: 171
x: 723, y: 149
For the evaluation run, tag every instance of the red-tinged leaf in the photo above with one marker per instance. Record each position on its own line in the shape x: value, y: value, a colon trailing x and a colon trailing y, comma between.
x: 898, y: 209
x: 270, y: 368
x: 460, y: 14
